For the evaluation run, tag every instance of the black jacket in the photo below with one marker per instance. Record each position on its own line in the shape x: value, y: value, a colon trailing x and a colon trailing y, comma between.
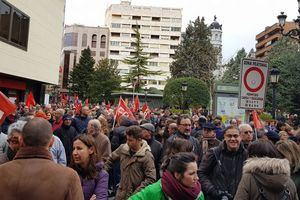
x: 66, y: 134
x: 157, y: 151
x: 222, y: 175
x: 119, y: 136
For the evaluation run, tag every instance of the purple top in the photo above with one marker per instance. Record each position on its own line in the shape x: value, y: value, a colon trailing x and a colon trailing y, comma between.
x: 98, y: 186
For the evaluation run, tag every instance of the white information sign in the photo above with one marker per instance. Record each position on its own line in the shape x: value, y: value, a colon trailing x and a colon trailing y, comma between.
x: 253, y: 81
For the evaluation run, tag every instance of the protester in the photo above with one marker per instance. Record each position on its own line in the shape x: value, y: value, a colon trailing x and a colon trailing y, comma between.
x: 25, y: 176
x: 221, y: 168
x: 58, y: 115
x: 136, y: 163
x: 283, y: 135
x: 81, y: 121
x: 246, y: 134
x: 265, y: 175
x: 94, y: 178
x: 104, y: 126
x: 58, y: 152
x: 3, y: 148
x: 179, y: 181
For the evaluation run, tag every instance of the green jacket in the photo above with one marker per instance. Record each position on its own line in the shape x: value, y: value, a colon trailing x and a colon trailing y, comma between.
x: 154, y: 191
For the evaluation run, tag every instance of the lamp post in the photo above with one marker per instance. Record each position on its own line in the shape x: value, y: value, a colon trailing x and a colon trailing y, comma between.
x: 274, y: 77
x: 293, y: 33
x: 146, y: 92
x: 183, y: 90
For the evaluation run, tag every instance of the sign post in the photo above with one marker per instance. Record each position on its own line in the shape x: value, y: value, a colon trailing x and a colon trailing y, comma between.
x: 253, y: 82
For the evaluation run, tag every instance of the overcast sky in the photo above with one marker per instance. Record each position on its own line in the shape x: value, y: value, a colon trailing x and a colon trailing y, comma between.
x: 241, y: 19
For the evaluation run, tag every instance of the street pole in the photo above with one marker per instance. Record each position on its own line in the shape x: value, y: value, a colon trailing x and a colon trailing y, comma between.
x: 273, y: 102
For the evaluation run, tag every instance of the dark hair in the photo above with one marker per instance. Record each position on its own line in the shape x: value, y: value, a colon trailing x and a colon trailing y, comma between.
x: 134, y: 131
x: 229, y: 128
x: 179, y: 145
x: 37, y: 132
x: 180, y: 118
x: 263, y: 148
x: 178, y: 162
x: 90, y: 172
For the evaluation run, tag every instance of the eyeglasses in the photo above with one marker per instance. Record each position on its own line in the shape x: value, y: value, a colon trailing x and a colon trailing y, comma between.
x: 231, y: 136
x: 248, y: 132
x: 186, y: 124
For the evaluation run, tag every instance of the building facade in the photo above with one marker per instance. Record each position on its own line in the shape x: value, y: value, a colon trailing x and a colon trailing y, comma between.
x: 77, y: 38
x: 160, y: 30
x: 30, y: 46
x: 268, y: 38
x: 216, y: 38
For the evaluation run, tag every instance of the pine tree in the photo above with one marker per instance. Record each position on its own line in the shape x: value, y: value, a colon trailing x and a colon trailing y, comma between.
x: 81, y: 75
x: 104, y: 80
x: 195, y: 56
x: 138, y: 63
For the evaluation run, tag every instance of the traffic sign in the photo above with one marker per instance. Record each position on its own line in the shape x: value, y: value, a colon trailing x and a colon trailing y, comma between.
x: 253, y: 84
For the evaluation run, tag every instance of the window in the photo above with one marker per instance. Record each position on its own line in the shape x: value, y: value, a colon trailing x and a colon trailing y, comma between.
x: 156, y: 19
x: 164, y: 64
x: 125, y: 53
x: 115, y: 25
x: 162, y: 82
x: 174, y: 37
x: 94, y: 41
x: 144, y: 45
x: 126, y: 17
x: 133, y: 53
x: 176, y: 29
x: 126, y: 26
x: 125, y: 44
x: 154, y: 46
x: 153, y: 63
x: 114, y: 34
x: 164, y: 37
x: 155, y: 28
x: 114, y: 52
x: 103, y: 41
x: 116, y: 16
x: 70, y: 39
x: 84, y: 40
x: 133, y: 35
x: 146, y: 27
x: 14, y: 25
x: 93, y: 53
x: 153, y: 54
x: 164, y: 46
x: 165, y: 28
x: 126, y: 35
x: 102, y: 54
x: 173, y: 47
x: 165, y: 19
x: 152, y: 82
x: 176, y: 19
x: 155, y: 37
x: 134, y: 26
x: 136, y: 17
x: 114, y: 43
x: 146, y: 18
x: 164, y: 55
x: 145, y: 36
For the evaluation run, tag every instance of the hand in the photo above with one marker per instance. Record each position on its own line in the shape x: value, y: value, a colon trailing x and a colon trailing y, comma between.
x: 93, y: 197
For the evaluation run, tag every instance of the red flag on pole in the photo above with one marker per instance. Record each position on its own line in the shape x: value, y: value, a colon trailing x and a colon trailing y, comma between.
x: 123, y: 110
x: 256, y: 120
x: 30, y: 100
x: 146, y: 110
x: 6, y: 107
x: 136, y: 104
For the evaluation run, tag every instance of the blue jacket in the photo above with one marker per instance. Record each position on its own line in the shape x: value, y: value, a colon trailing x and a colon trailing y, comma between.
x: 80, y: 123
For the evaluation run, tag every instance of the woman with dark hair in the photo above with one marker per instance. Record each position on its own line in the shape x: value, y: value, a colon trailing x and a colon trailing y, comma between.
x: 265, y: 175
x: 179, y: 181
x: 94, y: 179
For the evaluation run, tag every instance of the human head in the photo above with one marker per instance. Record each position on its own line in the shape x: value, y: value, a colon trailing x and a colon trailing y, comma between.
x: 147, y: 130
x: 184, y: 125
x: 291, y: 151
x: 179, y: 145
x: 48, y: 115
x: 209, y: 130
x: 246, y: 132
x: 233, y: 122
x: 283, y: 135
x: 94, y: 127
x: 37, y: 132
x: 263, y: 148
x: 183, y: 167
x: 59, y: 113
x: 67, y: 120
x: 14, y: 134
x: 232, y: 138
x: 134, y: 137
x: 84, y: 155
x: 172, y: 128
x: 85, y: 111
x: 104, y: 125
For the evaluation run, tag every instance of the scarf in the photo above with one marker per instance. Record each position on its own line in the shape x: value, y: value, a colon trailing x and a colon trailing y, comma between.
x: 176, y: 191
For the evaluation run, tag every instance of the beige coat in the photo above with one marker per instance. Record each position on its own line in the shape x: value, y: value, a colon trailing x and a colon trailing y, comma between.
x: 32, y: 175
x: 137, y: 171
x: 103, y: 147
x: 272, y: 174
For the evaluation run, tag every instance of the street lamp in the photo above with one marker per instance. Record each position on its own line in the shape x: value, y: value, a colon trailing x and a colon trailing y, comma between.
x: 293, y: 33
x: 183, y: 90
x: 274, y: 77
x: 146, y: 92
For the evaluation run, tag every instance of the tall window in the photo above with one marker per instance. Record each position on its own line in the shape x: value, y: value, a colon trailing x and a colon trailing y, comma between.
x: 70, y: 39
x: 84, y: 40
x: 14, y: 25
x: 94, y: 41
x: 103, y: 41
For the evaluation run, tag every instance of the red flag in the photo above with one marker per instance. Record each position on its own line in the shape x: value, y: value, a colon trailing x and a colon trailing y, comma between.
x: 256, y: 120
x: 136, y: 104
x: 146, y: 110
x: 123, y: 110
x: 6, y: 107
x: 78, y: 107
x: 30, y: 100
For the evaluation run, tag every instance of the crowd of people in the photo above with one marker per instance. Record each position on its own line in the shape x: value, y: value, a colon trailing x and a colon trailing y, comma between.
x: 60, y: 152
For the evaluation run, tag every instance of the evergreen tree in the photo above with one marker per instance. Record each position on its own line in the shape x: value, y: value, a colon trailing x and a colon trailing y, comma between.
x: 195, y: 56
x: 138, y: 64
x: 104, y: 80
x: 233, y: 68
x: 81, y: 75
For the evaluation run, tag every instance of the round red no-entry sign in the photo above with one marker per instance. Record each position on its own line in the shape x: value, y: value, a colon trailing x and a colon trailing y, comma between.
x: 254, y: 82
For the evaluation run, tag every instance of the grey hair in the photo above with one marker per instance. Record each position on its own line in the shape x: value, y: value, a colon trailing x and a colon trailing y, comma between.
x: 16, y: 126
x: 242, y: 126
x: 96, y: 124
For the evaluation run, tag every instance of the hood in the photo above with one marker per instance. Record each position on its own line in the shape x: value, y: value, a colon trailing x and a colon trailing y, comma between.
x: 145, y: 147
x: 271, y: 173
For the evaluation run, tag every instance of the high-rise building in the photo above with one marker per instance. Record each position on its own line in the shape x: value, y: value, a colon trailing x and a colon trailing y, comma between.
x: 30, y: 46
x: 216, y: 38
x: 160, y: 30
x: 77, y: 38
x: 268, y: 38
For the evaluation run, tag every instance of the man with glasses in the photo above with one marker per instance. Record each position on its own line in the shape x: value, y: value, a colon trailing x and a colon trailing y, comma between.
x: 220, y: 170
x: 246, y: 134
x: 184, y: 127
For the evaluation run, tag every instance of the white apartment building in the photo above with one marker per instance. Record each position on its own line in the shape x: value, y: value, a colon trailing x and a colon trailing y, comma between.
x: 160, y: 30
x: 77, y: 38
x: 30, y: 44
